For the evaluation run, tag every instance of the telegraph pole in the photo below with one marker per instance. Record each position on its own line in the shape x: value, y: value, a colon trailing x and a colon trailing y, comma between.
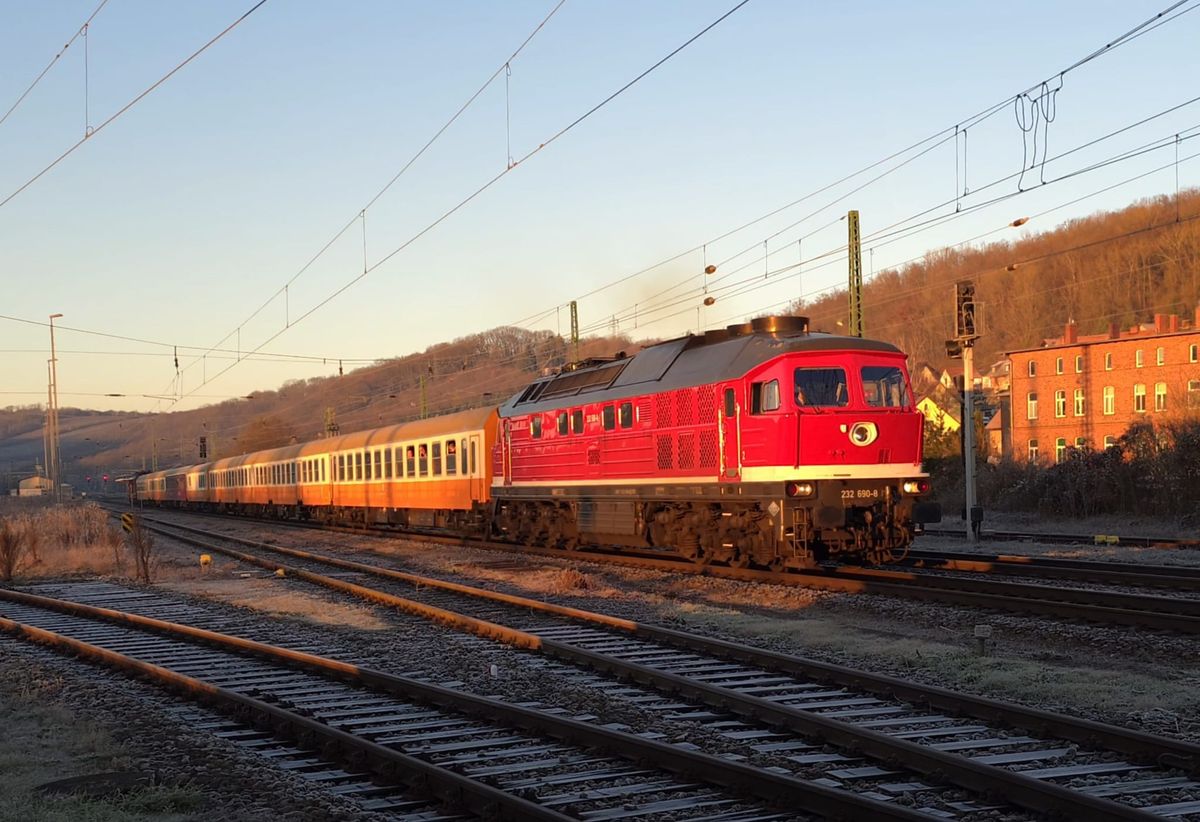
x: 963, y: 345
x: 55, y: 467
x: 854, y: 249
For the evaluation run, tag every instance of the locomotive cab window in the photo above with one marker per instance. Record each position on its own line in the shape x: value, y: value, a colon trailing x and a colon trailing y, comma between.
x: 821, y: 387
x: 577, y: 421
x: 764, y: 396
x: 625, y: 415
x: 451, y: 458
x: 608, y: 417
x: 563, y: 423
x: 884, y: 387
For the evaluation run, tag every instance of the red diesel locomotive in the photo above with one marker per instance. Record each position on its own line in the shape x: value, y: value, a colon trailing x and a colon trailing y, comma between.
x: 762, y: 443
x: 758, y: 444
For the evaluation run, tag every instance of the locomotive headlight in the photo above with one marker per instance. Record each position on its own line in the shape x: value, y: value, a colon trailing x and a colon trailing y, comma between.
x: 800, y: 489
x: 863, y: 433
x: 916, y: 486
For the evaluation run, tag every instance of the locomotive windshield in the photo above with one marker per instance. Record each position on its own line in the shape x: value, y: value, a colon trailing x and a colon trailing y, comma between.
x: 820, y: 387
x: 884, y: 387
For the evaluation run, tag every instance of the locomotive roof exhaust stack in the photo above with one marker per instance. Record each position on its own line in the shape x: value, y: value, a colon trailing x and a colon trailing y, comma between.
x: 780, y: 325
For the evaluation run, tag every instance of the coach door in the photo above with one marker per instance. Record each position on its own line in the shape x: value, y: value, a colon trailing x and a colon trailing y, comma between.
x: 731, y: 440
x: 470, y: 462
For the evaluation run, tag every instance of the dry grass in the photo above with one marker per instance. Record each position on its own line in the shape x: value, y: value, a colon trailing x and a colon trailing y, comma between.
x: 40, y: 540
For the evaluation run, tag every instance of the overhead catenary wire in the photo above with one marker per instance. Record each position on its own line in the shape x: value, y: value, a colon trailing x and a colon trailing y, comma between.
x: 491, y: 182
x: 1168, y: 14
x: 81, y: 31
x: 361, y: 214
x: 93, y: 132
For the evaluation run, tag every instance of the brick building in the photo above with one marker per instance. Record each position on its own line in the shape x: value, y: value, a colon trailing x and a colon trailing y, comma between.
x: 1079, y: 390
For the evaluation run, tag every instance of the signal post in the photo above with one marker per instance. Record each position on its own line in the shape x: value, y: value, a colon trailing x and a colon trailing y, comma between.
x: 963, y: 346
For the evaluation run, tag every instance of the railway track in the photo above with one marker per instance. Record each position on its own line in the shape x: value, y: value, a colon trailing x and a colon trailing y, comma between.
x: 1070, y: 539
x: 1097, y: 571
x: 491, y: 758
x: 1085, y: 605
x: 852, y: 727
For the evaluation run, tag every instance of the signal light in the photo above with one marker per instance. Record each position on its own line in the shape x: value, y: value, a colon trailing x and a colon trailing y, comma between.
x: 916, y: 486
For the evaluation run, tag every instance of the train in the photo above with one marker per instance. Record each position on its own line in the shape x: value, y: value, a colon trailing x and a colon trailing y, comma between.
x: 761, y: 444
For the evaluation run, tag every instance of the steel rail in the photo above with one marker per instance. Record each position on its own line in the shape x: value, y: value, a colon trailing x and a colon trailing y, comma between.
x: 1183, y: 578
x: 765, y: 785
x: 1019, y: 789
x: 1068, y: 539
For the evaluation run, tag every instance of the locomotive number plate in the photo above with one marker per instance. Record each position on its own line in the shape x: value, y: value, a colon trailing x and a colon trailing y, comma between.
x: 860, y: 493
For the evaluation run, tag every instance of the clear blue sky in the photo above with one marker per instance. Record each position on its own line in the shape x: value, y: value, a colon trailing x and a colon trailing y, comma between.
x: 183, y: 216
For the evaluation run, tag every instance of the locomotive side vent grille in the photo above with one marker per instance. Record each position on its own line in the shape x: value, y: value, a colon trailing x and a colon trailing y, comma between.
x: 663, y: 441
x: 685, y: 406
x: 593, y: 456
x: 644, y: 406
x: 687, y: 450
x: 707, y: 404
x: 662, y: 411
x: 708, y: 449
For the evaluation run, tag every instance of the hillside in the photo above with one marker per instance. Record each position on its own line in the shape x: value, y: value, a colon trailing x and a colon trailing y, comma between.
x: 1028, y: 288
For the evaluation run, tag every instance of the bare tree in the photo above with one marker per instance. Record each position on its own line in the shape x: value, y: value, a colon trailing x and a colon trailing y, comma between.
x: 12, y: 548
x: 141, y: 545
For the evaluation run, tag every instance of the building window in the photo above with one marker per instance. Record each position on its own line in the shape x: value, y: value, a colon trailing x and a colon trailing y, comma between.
x: 1078, y: 363
x: 1033, y: 451
x: 1079, y: 402
x: 1110, y: 441
x: 1160, y: 396
x: 1110, y: 400
x: 1081, y: 442
x: 1033, y: 366
x: 1108, y: 361
x: 1058, y: 368
x: 1138, y: 359
x: 1060, y: 449
x: 1031, y: 405
x: 1060, y: 403
x: 1193, y: 353
x: 1193, y: 393
x: 1139, y: 398
x: 1160, y: 355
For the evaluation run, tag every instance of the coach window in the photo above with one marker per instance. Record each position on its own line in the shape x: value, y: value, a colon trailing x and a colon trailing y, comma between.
x: 367, y: 468
x: 437, y: 459
x: 339, y: 469
x: 462, y: 449
x: 387, y: 463
x: 472, y: 457
x: 423, y: 459
x: 577, y: 420
x: 609, y: 418
x: 625, y: 415
x: 410, y: 458
x: 378, y: 464
x: 535, y: 426
x: 451, y: 458
x: 358, y: 466
x: 730, y: 404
